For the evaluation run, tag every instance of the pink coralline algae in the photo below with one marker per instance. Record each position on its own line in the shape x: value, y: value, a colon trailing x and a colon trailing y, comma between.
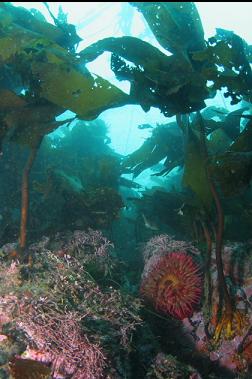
x: 54, y: 314
x: 171, y: 280
x: 60, y: 343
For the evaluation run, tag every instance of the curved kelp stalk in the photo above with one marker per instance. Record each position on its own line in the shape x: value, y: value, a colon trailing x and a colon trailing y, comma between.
x: 231, y: 320
x: 25, y: 202
x: 208, y: 289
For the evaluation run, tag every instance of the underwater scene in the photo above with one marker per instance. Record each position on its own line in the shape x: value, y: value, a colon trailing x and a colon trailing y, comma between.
x: 125, y: 190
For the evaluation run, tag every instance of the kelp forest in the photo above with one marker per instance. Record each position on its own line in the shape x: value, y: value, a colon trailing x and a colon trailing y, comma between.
x: 100, y: 276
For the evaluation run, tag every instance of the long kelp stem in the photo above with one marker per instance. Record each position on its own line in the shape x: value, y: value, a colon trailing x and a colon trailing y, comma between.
x: 25, y: 197
x: 218, y: 251
x: 207, y: 283
x: 219, y: 230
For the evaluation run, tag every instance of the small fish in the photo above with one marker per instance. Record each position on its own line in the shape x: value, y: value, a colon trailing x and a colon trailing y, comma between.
x: 145, y: 126
x: 149, y: 225
x: 179, y: 211
x: 129, y: 183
